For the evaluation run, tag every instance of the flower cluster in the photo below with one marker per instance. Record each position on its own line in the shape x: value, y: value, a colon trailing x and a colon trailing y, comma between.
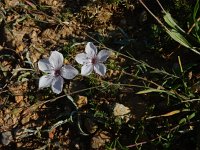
x: 55, y: 69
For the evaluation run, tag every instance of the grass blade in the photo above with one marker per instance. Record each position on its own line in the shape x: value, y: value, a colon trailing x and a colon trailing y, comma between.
x: 171, y: 22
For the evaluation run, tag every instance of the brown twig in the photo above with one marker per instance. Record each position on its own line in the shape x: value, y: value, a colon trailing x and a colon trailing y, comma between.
x: 142, y: 143
x: 192, y: 26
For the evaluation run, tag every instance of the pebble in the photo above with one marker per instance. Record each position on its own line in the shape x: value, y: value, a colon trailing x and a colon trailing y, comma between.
x: 6, y: 138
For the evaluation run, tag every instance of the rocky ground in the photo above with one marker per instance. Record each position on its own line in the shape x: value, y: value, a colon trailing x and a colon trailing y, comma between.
x: 38, y: 119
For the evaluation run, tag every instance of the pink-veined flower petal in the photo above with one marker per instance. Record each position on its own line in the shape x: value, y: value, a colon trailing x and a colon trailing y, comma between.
x: 56, y: 60
x: 57, y: 84
x: 68, y: 72
x: 45, y: 81
x: 91, y: 49
x: 87, y: 69
x: 103, y: 55
x: 44, y: 65
x: 100, y: 69
x: 82, y: 58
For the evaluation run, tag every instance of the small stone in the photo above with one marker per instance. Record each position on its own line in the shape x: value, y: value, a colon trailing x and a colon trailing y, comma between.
x: 19, y: 98
x: 6, y: 137
x: 82, y: 101
x: 99, y: 140
x: 120, y: 110
x: 1, y: 121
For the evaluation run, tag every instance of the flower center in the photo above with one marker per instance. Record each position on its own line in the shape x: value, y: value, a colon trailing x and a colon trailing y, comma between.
x: 57, y: 72
x: 94, y: 60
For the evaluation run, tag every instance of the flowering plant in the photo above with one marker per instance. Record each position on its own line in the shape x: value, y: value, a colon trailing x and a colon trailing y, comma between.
x: 91, y: 60
x: 56, y: 71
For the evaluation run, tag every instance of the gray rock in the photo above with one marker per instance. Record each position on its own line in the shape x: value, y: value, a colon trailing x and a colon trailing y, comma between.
x: 6, y: 138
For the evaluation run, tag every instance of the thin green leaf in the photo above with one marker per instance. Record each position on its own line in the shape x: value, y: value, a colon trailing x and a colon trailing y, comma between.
x: 191, y: 116
x: 179, y: 38
x: 196, y: 8
x: 182, y: 121
x: 155, y: 91
x: 149, y: 91
x: 172, y: 113
x: 171, y: 22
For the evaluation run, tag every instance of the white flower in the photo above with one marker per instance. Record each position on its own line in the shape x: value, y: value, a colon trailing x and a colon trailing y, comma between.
x: 56, y: 72
x: 92, y: 61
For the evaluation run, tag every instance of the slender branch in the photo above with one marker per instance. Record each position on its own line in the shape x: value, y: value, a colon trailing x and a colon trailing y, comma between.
x: 192, y: 26
x: 154, y: 16
x: 142, y: 143
x: 144, y: 79
x: 161, y: 6
x: 190, y: 100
